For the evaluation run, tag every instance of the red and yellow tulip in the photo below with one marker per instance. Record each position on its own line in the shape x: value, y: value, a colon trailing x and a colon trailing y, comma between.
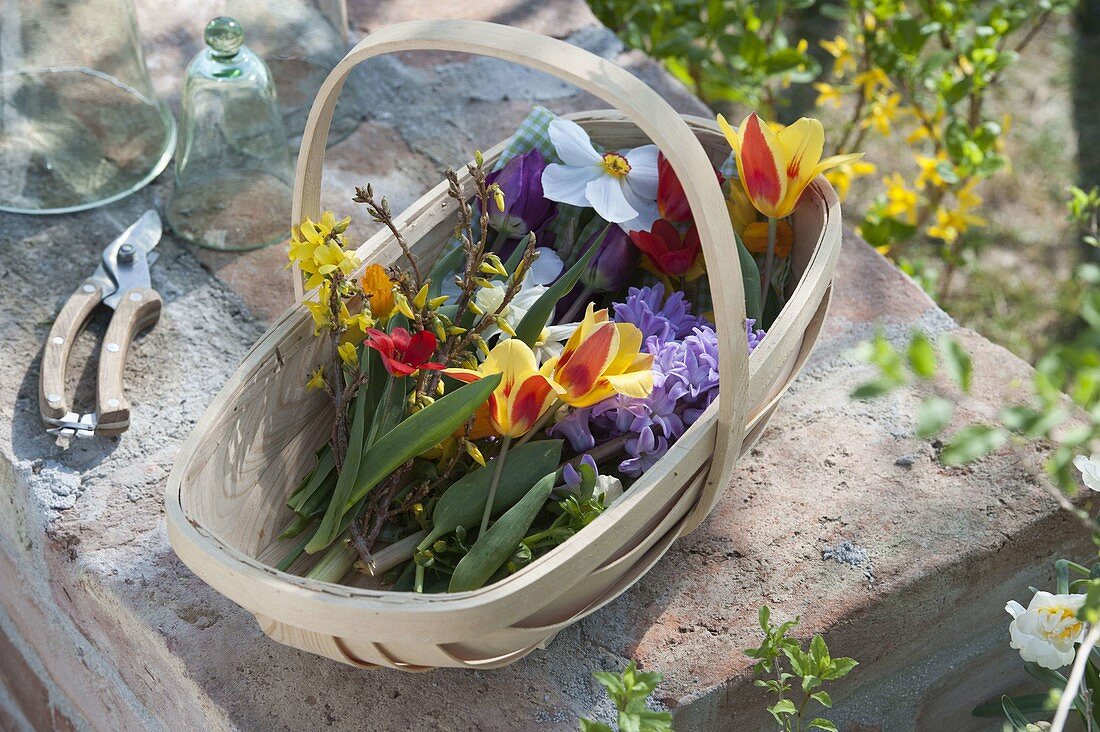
x: 523, y: 395
x: 602, y: 358
x: 776, y: 167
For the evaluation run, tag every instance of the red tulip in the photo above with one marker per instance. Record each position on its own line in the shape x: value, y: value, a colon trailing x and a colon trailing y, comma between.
x: 669, y: 251
x: 671, y: 201
x: 404, y: 354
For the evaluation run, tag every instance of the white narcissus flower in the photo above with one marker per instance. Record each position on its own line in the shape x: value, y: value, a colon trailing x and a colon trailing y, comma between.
x: 544, y: 270
x: 620, y: 186
x: 1090, y: 469
x: 1046, y: 631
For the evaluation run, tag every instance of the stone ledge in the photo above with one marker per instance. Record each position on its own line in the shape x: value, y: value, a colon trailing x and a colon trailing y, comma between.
x: 108, y: 630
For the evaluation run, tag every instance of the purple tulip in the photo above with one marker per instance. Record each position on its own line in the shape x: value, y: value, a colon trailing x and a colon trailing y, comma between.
x: 525, y: 208
x: 614, y: 263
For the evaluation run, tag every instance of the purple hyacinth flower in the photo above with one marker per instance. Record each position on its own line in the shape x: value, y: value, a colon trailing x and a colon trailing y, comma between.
x: 613, y: 264
x: 576, y: 429
x: 572, y: 476
x: 525, y: 206
x: 667, y: 319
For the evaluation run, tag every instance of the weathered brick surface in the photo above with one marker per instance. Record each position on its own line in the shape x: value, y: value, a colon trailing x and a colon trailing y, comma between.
x: 110, y: 631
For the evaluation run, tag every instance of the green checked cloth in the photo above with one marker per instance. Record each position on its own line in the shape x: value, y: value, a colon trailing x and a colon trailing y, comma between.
x: 532, y: 134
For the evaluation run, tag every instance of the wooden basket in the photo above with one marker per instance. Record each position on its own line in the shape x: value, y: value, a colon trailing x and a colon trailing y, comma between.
x: 226, y: 495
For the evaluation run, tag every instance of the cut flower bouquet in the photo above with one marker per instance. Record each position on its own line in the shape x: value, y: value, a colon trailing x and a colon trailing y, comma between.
x: 491, y: 404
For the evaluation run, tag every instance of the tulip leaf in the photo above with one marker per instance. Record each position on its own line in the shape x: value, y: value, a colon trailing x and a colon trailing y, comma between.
x: 493, y: 548
x: 447, y: 265
x: 417, y: 433
x: 750, y: 278
x: 517, y: 253
x: 326, y: 462
x: 464, y: 501
x: 530, y: 328
x: 1026, y: 703
x: 349, y: 469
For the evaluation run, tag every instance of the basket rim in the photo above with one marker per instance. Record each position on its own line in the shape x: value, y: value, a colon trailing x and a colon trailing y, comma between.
x: 189, y: 537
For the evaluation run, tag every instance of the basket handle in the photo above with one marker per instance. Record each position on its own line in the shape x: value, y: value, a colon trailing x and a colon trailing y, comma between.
x: 645, y: 108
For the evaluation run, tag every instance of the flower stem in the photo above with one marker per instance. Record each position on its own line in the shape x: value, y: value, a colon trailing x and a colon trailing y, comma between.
x: 769, y: 257
x: 579, y: 303
x: 1074, y: 682
x: 505, y: 443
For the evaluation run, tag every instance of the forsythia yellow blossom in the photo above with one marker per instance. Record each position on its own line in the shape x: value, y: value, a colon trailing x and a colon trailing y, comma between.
x: 901, y: 201
x: 841, y: 50
x: 884, y: 111
x: 828, y: 94
x: 841, y: 177
x: 928, y: 171
x: 317, y: 248
x: 348, y: 354
x: 317, y: 379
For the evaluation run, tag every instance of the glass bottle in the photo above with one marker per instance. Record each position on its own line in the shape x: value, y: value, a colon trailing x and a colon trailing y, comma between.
x: 233, y: 174
x: 302, y: 40
x: 79, y: 123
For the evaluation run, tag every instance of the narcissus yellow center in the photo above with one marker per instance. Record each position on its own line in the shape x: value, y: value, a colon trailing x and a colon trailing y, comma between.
x: 616, y: 165
x: 1060, y: 623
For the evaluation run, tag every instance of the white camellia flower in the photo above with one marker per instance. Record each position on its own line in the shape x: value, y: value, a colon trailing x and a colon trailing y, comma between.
x: 1045, y: 632
x: 1090, y: 469
x: 620, y: 186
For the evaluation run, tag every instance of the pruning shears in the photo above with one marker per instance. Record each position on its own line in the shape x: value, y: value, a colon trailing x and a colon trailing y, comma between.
x: 121, y: 282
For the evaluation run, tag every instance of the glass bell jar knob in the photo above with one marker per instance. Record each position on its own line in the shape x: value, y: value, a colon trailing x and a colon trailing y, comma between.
x: 79, y: 123
x: 233, y: 178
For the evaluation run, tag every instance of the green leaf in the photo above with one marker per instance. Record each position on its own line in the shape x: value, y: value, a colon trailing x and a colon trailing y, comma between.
x: 1014, y: 715
x: 876, y: 387
x: 824, y: 724
x: 971, y: 443
x: 326, y: 463
x: 530, y: 328
x: 419, y: 432
x: 841, y: 667
x: 957, y: 361
x: 492, y: 549
x: 750, y: 280
x: 922, y: 357
x: 462, y: 503
x: 444, y: 267
x: 588, y: 725
x: 349, y: 471
x: 933, y: 414
x: 783, y: 706
x: 822, y: 698
x: 1026, y: 703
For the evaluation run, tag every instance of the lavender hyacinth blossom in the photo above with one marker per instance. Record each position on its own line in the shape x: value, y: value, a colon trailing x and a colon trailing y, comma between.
x: 525, y: 206
x: 647, y: 308
x: 685, y: 381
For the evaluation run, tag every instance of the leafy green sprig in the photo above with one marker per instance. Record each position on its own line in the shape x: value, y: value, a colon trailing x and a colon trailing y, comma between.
x: 812, y: 667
